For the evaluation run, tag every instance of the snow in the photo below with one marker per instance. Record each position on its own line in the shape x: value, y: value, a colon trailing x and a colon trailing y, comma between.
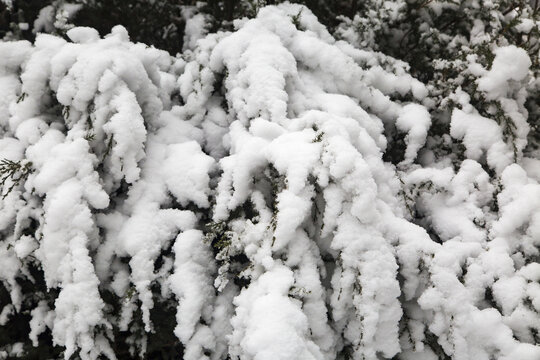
x: 186, y: 171
x: 258, y: 202
x: 481, y: 136
x: 83, y: 35
x: 525, y: 26
x: 415, y: 121
x: 511, y: 64
x: 275, y: 326
x: 191, y: 283
x: 7, y: 311
x: 195, y: 29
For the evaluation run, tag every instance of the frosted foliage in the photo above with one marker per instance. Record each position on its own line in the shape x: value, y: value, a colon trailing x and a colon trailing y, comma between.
x: 244, y: 187
x: 79, y: 116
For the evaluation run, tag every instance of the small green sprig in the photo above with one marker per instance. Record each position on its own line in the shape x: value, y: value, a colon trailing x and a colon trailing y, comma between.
x: 17, y: 171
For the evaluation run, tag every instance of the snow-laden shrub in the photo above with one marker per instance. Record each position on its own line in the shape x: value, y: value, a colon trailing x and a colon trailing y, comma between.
x: 80, y: 117
x: 278, y: 190
x: 465, y: 52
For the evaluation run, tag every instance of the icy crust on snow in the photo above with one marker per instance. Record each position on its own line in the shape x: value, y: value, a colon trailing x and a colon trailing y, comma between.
x: 280, y: 231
